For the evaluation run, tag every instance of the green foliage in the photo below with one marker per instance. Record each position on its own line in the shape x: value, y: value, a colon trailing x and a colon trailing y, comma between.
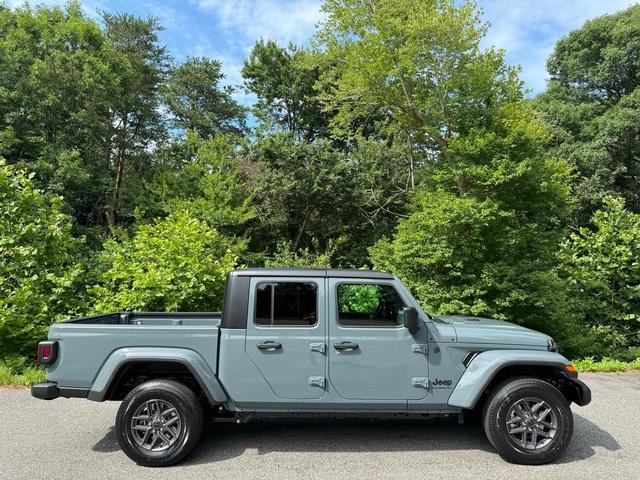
x: 27, y: 376
x: 204, y: 177
x: 133, y: 113
x: 602, y: 267
x: 471, y: 256
x: 197, y: 101
x: 40, y: 278
x: 56, y: 78
x: 489, y: 206
x: 285, y: 256
x: 178, y: 263
x: 284, y: 85
x: 358, y: 298
x: 418, y: 61
x: 593, y: 102
x: 605, y: 365
x: 302, y: 194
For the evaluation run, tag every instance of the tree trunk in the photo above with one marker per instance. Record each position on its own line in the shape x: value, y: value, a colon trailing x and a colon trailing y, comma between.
x: 296, y: 244
x: 120, y: 159
x: 116, y: 191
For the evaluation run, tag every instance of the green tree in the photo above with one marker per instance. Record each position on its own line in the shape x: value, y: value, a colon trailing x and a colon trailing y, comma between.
x: 593, y: 103
x: 491, y: 251
x: 489, y: 205
x: 284, y: 85
x: 603, y: 269
x: 373, y: 179
x: 205, y: 177
x: 177, y: 263
x: 135, y: 121
x: 417, y: 63
x: 56, y: 81
x: 302, y: 195
x: 79, y: 105
x: 197, y: 101
x: 40, y: 276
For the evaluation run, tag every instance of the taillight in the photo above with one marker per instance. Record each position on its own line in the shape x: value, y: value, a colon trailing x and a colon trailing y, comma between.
x: 47, y: 352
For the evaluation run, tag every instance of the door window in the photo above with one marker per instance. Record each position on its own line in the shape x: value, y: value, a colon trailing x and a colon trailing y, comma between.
x: 368, y: 305
x: 286, y: 304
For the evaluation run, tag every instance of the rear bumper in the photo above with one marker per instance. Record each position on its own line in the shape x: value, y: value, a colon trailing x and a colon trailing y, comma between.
x: 45, y: 390
x: 51, y: 390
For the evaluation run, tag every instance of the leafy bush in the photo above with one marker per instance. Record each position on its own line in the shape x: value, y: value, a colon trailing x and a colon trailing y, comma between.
x: 178, y: 263
x: 40, y: 277
x: 470, y: 256
x: 602, y: 267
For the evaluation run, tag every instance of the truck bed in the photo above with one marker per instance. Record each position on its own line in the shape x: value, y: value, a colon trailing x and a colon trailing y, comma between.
x: 87, y: 343
x: 211, y: 319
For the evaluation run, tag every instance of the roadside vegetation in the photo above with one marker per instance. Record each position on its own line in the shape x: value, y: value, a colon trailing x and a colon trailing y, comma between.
x: 606, y: 365
x: 132, y: 181
x: 25, y: 377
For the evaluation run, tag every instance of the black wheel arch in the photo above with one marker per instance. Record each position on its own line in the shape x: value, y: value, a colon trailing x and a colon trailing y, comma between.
x: 135, y: 372
x: 573, y: 389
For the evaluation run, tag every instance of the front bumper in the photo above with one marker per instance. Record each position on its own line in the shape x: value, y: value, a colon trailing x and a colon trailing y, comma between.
x: 583, y: 393
x: 51, y: 390
x: 577, y: 390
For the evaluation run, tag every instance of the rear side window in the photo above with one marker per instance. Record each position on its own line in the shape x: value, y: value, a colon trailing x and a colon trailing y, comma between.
x: 367, y: 305
x: 286, y: 304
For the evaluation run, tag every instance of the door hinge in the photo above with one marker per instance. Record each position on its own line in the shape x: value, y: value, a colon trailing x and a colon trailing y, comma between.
x: 318, y: 347
x: 420, y: 348
x: 317, y: 382
x: 422, y: 382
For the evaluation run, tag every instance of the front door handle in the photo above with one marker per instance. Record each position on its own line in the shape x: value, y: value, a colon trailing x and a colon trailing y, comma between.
x: 269, y: 346
x: 346, y: 346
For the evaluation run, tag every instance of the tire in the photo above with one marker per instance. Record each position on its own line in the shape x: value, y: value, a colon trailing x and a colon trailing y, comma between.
x: 528, y: 421
x: 485, y: 426
x: 167, y: 425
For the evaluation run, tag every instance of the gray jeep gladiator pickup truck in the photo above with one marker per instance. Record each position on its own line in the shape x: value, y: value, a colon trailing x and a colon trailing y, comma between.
x: 295, y: 343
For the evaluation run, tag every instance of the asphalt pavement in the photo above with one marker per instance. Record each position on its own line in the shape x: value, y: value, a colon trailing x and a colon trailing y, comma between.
x: 74, y: 439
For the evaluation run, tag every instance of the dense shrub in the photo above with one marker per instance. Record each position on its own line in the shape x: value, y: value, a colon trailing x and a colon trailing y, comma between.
x: 178, y: 263
x: 602, y: 268
x: 40, y: 277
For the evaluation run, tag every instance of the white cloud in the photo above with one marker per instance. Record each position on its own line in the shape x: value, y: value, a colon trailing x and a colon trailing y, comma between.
x: 283, y: 21
x: 529, y: 29
x: 243, y: 23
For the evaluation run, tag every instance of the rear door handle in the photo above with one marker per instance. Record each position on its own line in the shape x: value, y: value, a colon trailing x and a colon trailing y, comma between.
x: 346, y: 346
x: 269, y: 346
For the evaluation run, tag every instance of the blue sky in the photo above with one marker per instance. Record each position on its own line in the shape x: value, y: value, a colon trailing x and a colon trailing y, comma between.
x: 227, y: 29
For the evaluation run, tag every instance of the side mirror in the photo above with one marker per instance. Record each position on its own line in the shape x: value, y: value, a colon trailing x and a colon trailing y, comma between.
x: 411, y: 321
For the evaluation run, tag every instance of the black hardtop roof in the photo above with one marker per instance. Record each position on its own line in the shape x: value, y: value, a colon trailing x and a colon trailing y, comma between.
x: 309, y: 272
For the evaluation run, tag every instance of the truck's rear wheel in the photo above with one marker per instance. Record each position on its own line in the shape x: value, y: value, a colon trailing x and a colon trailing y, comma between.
x: 159, y: 423
x: 528, y: 421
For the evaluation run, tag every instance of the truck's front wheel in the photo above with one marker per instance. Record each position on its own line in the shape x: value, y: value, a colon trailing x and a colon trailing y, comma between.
x: 159, y: 423
x: 528, y: 421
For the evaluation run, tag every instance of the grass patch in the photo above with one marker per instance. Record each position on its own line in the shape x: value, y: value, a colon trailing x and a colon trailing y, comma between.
x: 24, y: 376
x: 605, y: 365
